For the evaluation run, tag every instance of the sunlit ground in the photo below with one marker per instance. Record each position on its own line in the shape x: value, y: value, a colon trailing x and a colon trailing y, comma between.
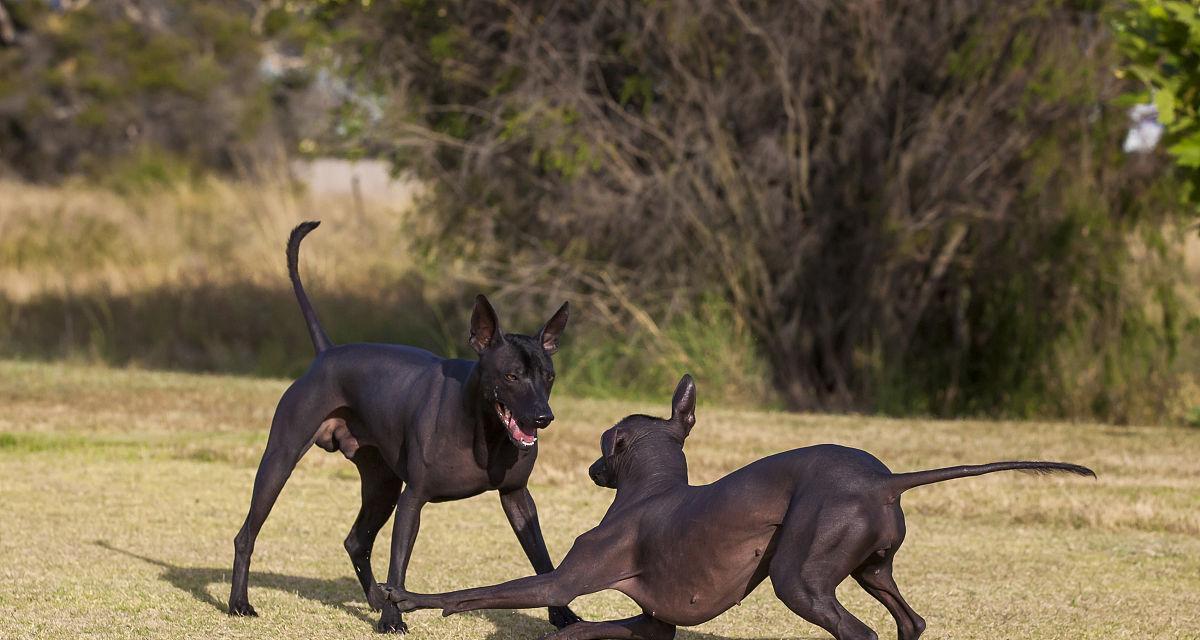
x: 121, y: 492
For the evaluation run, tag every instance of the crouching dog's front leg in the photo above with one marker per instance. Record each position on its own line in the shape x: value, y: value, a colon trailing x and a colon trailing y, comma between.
x: 523, y: 593
x: 407, y: 601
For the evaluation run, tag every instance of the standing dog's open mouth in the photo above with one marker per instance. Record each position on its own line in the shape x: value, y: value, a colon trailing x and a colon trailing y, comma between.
x: 523, y: 437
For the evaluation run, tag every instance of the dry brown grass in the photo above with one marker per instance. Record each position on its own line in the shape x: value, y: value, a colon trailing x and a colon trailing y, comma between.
x: 122, y: 491
x: 191, y: 275
x: 78, y: 238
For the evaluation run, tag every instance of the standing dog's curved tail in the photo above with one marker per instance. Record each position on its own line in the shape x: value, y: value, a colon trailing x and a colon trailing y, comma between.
x: 902, y: 482
x: 320, y: 340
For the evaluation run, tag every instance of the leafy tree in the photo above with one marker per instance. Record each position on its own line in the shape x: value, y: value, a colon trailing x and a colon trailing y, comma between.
x: 93, y: 85
x: 1160, y: 40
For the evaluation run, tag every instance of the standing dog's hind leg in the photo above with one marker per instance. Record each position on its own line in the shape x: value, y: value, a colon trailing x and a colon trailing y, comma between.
x: 291, y: 436
x: 380, y: 489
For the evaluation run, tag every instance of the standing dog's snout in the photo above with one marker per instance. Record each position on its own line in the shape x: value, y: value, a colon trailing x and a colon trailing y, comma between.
x: 543, y: 420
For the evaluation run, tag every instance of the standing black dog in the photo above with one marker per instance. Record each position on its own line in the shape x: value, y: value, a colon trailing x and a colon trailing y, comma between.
x: 420, y: 429
x: 808, y: 518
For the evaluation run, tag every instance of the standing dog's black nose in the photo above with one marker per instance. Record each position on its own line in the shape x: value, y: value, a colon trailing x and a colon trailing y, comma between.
x: 543, y: 421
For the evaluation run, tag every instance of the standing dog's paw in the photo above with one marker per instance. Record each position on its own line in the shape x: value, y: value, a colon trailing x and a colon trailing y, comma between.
x: 391, y: 623
x: 242, y: 609
x: 563, y: 617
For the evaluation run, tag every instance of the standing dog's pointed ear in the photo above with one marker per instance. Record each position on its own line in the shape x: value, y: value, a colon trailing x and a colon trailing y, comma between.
x: 485, y: 327
x: 554, y: 328
x: 683, y: 405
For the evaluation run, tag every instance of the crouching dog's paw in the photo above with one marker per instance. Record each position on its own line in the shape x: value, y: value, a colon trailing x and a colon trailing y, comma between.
x: 403, y: 600
x: 376, y: 598
x: 563, y: 617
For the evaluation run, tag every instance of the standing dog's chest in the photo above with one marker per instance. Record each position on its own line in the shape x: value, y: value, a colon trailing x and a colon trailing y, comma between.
x: 454, y: 475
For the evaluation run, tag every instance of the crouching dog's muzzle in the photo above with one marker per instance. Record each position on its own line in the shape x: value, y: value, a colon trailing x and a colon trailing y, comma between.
x: 602, y: 475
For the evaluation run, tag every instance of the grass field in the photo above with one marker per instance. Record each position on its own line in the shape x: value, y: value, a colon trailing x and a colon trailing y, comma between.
x: 121, y: 492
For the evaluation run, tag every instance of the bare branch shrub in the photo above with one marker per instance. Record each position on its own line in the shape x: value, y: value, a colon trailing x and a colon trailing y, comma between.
x: 913, y: 206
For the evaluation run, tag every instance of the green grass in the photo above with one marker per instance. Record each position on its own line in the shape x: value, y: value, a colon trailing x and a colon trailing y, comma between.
x: 121, y: 492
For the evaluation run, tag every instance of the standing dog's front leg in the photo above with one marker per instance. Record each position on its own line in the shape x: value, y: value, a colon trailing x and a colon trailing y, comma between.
x: 522, y: 515
x: 404, y: 534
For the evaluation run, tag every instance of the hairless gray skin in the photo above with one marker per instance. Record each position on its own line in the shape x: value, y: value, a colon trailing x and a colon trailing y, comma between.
x: 420, y: 429
x: 807, y: 518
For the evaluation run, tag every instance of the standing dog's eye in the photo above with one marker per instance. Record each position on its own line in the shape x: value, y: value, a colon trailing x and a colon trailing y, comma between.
x: 511, y: 377
x: 549, y: 377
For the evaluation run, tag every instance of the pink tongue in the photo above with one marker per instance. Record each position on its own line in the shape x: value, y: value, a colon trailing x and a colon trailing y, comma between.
x: 519, y: 433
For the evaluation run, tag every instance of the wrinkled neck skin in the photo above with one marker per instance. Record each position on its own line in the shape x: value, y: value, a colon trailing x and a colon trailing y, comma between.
x: 650, y: 467
x: 490, y: 444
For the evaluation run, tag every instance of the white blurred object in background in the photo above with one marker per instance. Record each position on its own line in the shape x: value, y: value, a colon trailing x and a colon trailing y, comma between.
x: 1144, y: 129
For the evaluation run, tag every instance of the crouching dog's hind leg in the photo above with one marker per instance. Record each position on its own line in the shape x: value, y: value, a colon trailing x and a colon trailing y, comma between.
x: 292, y: 430
x: 812, y: 558
x: 875, y: 577
x: 643, y: 627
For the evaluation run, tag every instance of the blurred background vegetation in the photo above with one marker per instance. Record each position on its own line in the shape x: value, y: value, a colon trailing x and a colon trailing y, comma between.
x: 896, y: 207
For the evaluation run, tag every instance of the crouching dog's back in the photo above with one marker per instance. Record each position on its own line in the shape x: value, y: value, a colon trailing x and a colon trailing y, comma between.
x: 815, y: 468
x: 744, y: 510
x: 834, y: 466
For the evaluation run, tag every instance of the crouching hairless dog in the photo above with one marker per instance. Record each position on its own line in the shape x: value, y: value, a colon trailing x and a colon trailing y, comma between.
x: 420, y: 429
x: 807, y: 518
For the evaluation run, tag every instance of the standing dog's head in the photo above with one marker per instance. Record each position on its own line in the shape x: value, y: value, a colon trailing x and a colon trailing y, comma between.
x: 639, y: 440
x: 515, y: 371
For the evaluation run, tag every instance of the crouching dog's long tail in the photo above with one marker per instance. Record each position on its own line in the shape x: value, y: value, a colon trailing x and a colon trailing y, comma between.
x: 320, y: 340
x: 901, y: 482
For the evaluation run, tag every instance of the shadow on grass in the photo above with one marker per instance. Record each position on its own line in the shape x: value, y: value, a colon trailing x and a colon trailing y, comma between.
x: 238, y: 327
x: 338, y: 592
x: 519, y: 624
x: 195, y: 581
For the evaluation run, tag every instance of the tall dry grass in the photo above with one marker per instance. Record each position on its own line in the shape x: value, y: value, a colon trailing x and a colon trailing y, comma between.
x: 191, y: 273
x: 188, y: 273
x: 81, y: 237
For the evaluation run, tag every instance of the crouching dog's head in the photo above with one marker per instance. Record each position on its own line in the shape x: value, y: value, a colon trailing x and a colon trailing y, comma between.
x: 516, y: 373
x: 639, y: 444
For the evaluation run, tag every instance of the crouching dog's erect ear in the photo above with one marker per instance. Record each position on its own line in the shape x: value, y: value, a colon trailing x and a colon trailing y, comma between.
x: 554, y: 328
x: 683, y: 405
x: 485, y: 326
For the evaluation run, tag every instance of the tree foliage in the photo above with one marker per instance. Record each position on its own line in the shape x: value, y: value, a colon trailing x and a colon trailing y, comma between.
x: 911, y: 206
x: 1160, y: 40
x: 85, y: 87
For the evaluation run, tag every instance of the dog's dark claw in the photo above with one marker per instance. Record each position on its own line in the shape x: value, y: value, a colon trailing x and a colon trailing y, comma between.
x: 242, y: 609
x: 563, y: 617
